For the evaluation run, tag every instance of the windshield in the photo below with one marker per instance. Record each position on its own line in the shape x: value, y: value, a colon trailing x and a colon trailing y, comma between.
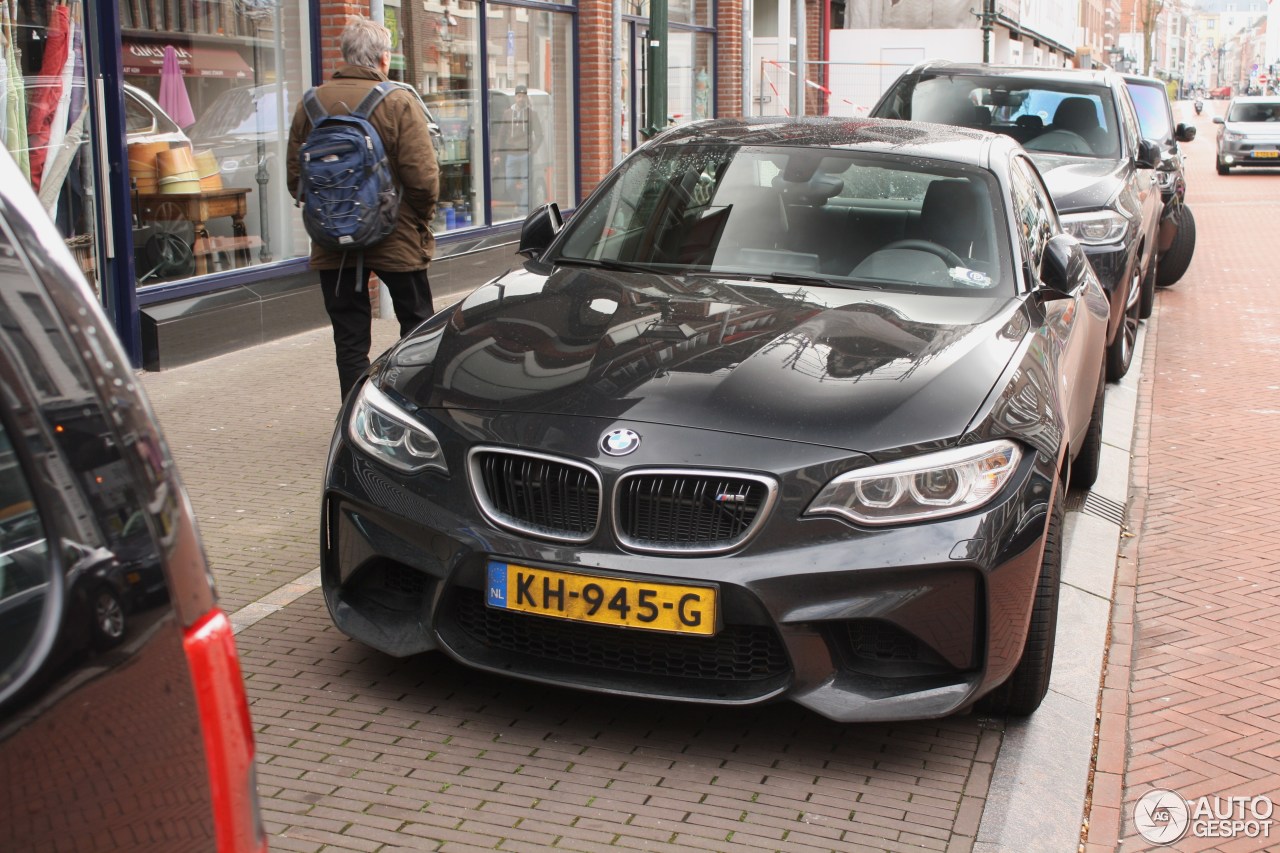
x: 845, y: 218
x: 1255, y: 111
x: 1153, y: 111
x: 1043, y: 115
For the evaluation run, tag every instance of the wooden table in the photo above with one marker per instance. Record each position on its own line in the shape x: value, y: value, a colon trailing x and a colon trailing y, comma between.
x: 198, y: 208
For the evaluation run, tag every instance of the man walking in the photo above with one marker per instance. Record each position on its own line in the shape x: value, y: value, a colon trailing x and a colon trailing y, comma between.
x: 519, y: 139
x: 401, y: 259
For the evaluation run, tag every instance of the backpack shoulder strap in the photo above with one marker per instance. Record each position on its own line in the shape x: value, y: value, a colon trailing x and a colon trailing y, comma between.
x: 371, y: 100
x: 315, y: 110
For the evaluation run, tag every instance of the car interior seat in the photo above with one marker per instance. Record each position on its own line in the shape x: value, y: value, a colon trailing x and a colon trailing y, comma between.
x: 757, y: 220
x: 1080, y: 116
x: 954, y: 214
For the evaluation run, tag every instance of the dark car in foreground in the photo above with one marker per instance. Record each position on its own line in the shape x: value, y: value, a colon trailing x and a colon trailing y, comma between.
x: 1083, y: 133
x: 1177, y: 223
x: 123, y: 720
x: 787, y: 410
x: 1249, y: 134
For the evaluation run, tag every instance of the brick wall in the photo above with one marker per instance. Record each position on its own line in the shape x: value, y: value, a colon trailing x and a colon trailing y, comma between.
x: 333, y: 19
x: 729, y: 58
x: 595, y: 99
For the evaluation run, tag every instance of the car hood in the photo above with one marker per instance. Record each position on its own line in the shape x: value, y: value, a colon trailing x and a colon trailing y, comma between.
x: 1079, y: 183
x: 862, y: 370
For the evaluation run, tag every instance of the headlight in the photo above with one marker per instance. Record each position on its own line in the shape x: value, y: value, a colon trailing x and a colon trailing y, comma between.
x: 1165, y: 179
x: 1232, y: 136
x: 931, y: 486
x: 1096, y: 227
x: 391, y: 435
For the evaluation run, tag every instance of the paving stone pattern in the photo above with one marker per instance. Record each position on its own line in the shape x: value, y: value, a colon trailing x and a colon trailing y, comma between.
x: 1195, y: 654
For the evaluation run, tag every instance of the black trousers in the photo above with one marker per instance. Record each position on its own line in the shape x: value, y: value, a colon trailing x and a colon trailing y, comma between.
x: 351, y: 314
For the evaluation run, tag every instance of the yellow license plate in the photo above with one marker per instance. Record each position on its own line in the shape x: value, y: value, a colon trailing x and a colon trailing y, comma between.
x: 675, y: 608
x: 1266, y: 154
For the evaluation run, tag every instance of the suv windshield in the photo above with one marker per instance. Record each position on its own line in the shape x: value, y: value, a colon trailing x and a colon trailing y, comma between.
x: 842, y: 217
x: 1043, y: 115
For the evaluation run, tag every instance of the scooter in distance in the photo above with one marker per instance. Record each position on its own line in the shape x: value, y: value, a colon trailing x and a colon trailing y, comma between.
x: 1199, y: 106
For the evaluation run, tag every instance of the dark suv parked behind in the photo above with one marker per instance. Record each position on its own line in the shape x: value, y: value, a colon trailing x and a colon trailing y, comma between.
x: 1082, y: 131
x: 1177, y: 225
x: 123, y: 721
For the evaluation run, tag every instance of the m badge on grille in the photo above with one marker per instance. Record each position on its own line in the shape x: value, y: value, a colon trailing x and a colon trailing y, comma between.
x: 619, y: 442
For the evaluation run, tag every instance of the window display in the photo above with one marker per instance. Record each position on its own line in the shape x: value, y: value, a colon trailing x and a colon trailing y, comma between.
x: 228, y: 74
x: 530, y: 66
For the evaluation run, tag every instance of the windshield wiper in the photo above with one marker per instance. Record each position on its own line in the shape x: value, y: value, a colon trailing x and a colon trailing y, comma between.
x: 594, y: 263
x: 779, y: 277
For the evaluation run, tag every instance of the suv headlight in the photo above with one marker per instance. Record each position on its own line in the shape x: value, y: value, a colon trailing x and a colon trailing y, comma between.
x: 932, y: 486
x: 391, y: 435
x: 1231, y: 136
x: 1165, y: 178
x: 1095, y: 227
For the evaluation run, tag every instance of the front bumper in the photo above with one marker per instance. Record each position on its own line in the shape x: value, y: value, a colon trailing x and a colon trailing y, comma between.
x: 858, y: 625
x: 1250, y: 152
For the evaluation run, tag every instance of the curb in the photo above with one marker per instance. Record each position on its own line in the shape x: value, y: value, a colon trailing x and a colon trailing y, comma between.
x: 1042, y: 773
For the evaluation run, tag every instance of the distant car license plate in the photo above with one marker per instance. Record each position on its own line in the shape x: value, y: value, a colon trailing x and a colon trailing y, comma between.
x: 675, y: 608
x: 1266, y: 154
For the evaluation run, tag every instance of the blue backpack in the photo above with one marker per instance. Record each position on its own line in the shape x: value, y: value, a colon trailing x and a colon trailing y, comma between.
x: 347, y: 191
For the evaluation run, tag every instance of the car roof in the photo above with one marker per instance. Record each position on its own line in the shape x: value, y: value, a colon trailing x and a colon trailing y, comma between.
x: 1256, y: 99
x: 904, y: 138
x: 1101, y: 77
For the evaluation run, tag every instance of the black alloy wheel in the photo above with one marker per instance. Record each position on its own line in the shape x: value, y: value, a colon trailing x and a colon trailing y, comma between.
x: 108, y: 618
x: 1022, y: 694
x: 1120, y: 352
x: 1173, y: 263
x: 1147, y: 294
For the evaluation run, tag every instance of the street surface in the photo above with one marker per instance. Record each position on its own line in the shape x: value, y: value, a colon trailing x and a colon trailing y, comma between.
x: 359, y: 751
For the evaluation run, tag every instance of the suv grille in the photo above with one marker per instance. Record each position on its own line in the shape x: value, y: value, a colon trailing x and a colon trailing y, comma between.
x: 738, y: 653
x: 536, y: 494
x: 678, y: 510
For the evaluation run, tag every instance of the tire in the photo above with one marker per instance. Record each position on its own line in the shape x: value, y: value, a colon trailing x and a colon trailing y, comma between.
x: 1173, y: 263
x: 1147, y: 294
x: 1120, y: 351
x: 107, y: 611
x: 1088, y: 461
x: 1022, y: 694
x: 1223, y: 169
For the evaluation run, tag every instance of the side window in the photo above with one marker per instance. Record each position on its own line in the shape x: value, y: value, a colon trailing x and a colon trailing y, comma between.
x: 1129, y: 121
x: 1034, y: 212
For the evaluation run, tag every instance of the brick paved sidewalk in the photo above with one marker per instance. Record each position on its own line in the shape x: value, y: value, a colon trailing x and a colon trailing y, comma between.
x: 1191, y: 699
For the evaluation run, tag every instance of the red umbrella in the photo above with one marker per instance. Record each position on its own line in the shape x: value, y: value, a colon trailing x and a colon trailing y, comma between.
x: 45, y: 104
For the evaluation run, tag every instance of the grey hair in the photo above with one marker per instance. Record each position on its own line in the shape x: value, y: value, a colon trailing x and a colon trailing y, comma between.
x: 364, y: 41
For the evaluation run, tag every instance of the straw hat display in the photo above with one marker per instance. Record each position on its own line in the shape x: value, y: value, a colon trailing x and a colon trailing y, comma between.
x: 208, y: 171
x: 177, y: 168
x: 142, y: 165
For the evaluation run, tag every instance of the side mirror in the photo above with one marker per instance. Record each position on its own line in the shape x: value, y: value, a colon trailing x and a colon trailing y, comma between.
x: 1219, y: 120
x: 1184, y: 132
x: 1061, y: 268
x: 539, y: 229
x: 1148, y: 154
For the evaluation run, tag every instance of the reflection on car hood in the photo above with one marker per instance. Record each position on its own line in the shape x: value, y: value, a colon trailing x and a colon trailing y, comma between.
x: 862, y: 370
x: 1079, y: 183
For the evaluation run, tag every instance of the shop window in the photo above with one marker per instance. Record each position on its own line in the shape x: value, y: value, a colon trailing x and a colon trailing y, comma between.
x: 441, y: 49
x: 229, y: 75
x: 530, y: 91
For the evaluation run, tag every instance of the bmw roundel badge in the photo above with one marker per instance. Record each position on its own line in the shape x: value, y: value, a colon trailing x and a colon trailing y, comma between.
x: 619, y: 442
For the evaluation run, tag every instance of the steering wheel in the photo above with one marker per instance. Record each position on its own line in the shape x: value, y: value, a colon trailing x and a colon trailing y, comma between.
x: 949, y: 257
